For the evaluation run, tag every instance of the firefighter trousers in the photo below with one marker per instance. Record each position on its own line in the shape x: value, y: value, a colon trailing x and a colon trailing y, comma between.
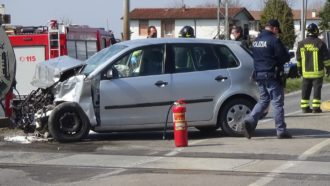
x: 307, y: 85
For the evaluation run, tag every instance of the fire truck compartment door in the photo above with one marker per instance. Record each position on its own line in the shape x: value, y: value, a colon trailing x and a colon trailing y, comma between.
x: 27, y: 58
x: 7, y: 64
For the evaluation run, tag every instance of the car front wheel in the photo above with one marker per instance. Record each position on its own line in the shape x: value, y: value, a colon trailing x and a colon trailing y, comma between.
x: 68, y: 122
x: 232, y: 114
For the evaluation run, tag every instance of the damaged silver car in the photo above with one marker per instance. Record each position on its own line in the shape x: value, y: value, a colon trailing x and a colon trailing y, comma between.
x: 132, y: 85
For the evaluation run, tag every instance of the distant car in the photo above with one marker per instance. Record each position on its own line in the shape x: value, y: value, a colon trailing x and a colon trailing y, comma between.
x: 131, y: 86
x: 290, y: 68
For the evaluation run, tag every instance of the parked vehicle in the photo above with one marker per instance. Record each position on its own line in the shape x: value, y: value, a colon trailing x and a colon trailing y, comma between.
x: 33, y: 44
x: 131, y: 86
x: 290, y: 68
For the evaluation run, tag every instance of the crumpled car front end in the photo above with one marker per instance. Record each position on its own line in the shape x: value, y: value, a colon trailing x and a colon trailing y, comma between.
x: 58, y: 81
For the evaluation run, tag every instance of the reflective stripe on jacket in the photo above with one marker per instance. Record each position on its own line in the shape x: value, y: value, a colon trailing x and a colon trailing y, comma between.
x: 312, y: 57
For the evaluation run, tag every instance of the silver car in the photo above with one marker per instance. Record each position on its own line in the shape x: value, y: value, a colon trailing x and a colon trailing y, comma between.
x: 131, y: 86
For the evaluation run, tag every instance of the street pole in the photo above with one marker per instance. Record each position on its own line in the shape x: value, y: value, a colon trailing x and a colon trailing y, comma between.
x: 226, y: 22
x: 218, y: 19
x: 126, y: 29
x: 303, y: 18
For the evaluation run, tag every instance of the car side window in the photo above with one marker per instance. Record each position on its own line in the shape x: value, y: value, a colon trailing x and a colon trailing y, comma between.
x: 226, y: 57
x: 204, y: 58
x: 183, y: 59
x: 141, y: 62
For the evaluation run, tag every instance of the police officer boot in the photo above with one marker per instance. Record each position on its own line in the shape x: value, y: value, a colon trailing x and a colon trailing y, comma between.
x: 317, y: 110
x: 306, y: 110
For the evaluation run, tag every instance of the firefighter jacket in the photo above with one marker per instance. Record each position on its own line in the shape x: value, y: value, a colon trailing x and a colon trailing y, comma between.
x: 312, y: 57
x: 269, y: 55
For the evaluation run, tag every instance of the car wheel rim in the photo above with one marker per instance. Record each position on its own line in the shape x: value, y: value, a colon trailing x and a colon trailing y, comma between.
x: 69, y: 123
x: 235, y: 115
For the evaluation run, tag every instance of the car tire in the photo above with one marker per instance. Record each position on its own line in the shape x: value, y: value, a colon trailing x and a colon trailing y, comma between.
x: 232, y: 114
x: 68, y: 122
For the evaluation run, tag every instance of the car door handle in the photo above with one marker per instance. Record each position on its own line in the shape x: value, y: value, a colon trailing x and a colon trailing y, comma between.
x: 220, y: 78
x: 161, y: 83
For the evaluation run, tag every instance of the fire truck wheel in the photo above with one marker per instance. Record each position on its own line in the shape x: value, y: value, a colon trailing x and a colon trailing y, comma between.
x: 232, y: 114
x: 68, y: 122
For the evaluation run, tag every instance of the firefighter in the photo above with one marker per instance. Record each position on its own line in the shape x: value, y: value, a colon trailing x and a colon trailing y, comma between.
x: 187, y: 32
x: 312, y: 58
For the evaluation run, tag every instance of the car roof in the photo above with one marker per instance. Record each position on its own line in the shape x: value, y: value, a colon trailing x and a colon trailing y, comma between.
x: 154, y: 41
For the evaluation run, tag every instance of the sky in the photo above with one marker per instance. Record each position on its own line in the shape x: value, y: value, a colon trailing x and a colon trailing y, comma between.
x: 96, y: 13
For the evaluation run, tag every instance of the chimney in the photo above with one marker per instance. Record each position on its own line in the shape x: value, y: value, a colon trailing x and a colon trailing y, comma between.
x: 313, y: 13
x: 183, y: 8
x: 2, y: 9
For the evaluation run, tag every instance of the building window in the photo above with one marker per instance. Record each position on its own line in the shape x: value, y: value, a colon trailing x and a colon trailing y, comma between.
x: 168, y: 28
x: 143, y: 28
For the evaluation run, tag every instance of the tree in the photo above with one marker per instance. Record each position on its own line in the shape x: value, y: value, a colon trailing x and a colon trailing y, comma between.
x: 280, y: 10
x: 325, y: 16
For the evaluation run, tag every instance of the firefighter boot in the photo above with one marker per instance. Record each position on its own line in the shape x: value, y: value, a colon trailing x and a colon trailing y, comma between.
x: 306, y: 110
x: 317, y: 110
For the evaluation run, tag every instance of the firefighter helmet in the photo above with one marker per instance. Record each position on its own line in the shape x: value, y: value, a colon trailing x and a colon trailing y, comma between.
x: 187, y: 31
x: 312, y: 30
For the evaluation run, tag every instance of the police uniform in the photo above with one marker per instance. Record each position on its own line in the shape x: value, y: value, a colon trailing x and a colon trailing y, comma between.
x: 269, y: 56
x: 312, y: 58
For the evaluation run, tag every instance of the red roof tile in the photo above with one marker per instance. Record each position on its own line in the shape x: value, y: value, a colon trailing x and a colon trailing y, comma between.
x: 182, y: 13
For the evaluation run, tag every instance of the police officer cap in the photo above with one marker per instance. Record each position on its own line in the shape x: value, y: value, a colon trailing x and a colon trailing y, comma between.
x: 274, y: 23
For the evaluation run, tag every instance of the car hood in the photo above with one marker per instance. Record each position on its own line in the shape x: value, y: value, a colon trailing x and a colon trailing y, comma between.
x: 49, y: 72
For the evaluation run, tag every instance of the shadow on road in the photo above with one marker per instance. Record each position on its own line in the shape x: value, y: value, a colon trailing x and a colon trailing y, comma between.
x: 296, y: 133
x: 150, y: 135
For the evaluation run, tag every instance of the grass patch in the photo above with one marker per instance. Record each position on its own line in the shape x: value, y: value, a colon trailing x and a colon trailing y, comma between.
x: 294, y: 84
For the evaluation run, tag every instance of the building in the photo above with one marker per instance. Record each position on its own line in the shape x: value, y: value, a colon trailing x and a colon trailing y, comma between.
x: 312, y: 16
x: 169, y: 21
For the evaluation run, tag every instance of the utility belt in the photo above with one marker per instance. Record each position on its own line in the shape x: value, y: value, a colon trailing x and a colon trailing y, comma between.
x: 278, y: 75
x: 265, y: 75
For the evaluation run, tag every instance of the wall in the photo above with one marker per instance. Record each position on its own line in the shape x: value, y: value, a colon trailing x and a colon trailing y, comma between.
x: 134, y: 27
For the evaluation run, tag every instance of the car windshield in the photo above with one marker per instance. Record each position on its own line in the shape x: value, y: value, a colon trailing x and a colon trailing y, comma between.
x: 93, y: 62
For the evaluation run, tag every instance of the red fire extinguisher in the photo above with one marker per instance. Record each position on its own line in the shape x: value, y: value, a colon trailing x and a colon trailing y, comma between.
x: 180, y: 124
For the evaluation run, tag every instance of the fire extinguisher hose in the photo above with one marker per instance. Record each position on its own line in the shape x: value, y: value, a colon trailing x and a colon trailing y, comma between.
x: 165, y: 127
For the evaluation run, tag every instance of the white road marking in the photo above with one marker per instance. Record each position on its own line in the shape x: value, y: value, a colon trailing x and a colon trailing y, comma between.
x: 270, y: 176
x: 178, y: 150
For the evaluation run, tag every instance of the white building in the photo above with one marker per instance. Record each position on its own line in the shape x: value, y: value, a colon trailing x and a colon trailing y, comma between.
x: 169, y: 21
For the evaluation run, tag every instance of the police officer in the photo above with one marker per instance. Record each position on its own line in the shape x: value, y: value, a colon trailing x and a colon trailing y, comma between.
x: 187, y: 32
x: 312, y: 58
x: 269, y: 55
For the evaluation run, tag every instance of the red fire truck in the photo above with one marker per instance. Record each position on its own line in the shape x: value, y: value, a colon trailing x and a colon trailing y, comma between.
x: 34, y: 44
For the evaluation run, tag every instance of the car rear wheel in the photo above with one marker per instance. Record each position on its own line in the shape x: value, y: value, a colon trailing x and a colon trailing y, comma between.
x: 68, y: 122
x: 232, y: 114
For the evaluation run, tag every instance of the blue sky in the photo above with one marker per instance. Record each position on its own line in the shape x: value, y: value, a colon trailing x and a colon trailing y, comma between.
x: 96, y: 13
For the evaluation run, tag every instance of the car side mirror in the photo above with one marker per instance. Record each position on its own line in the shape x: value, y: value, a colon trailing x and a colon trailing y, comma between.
x: 112, y: 73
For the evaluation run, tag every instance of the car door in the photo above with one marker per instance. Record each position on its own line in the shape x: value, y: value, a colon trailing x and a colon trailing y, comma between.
x: 199, y: 79
x: 141, y: 93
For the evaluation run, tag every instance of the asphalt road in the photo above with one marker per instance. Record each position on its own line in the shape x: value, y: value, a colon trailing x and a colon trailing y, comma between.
x: 143, y: 158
